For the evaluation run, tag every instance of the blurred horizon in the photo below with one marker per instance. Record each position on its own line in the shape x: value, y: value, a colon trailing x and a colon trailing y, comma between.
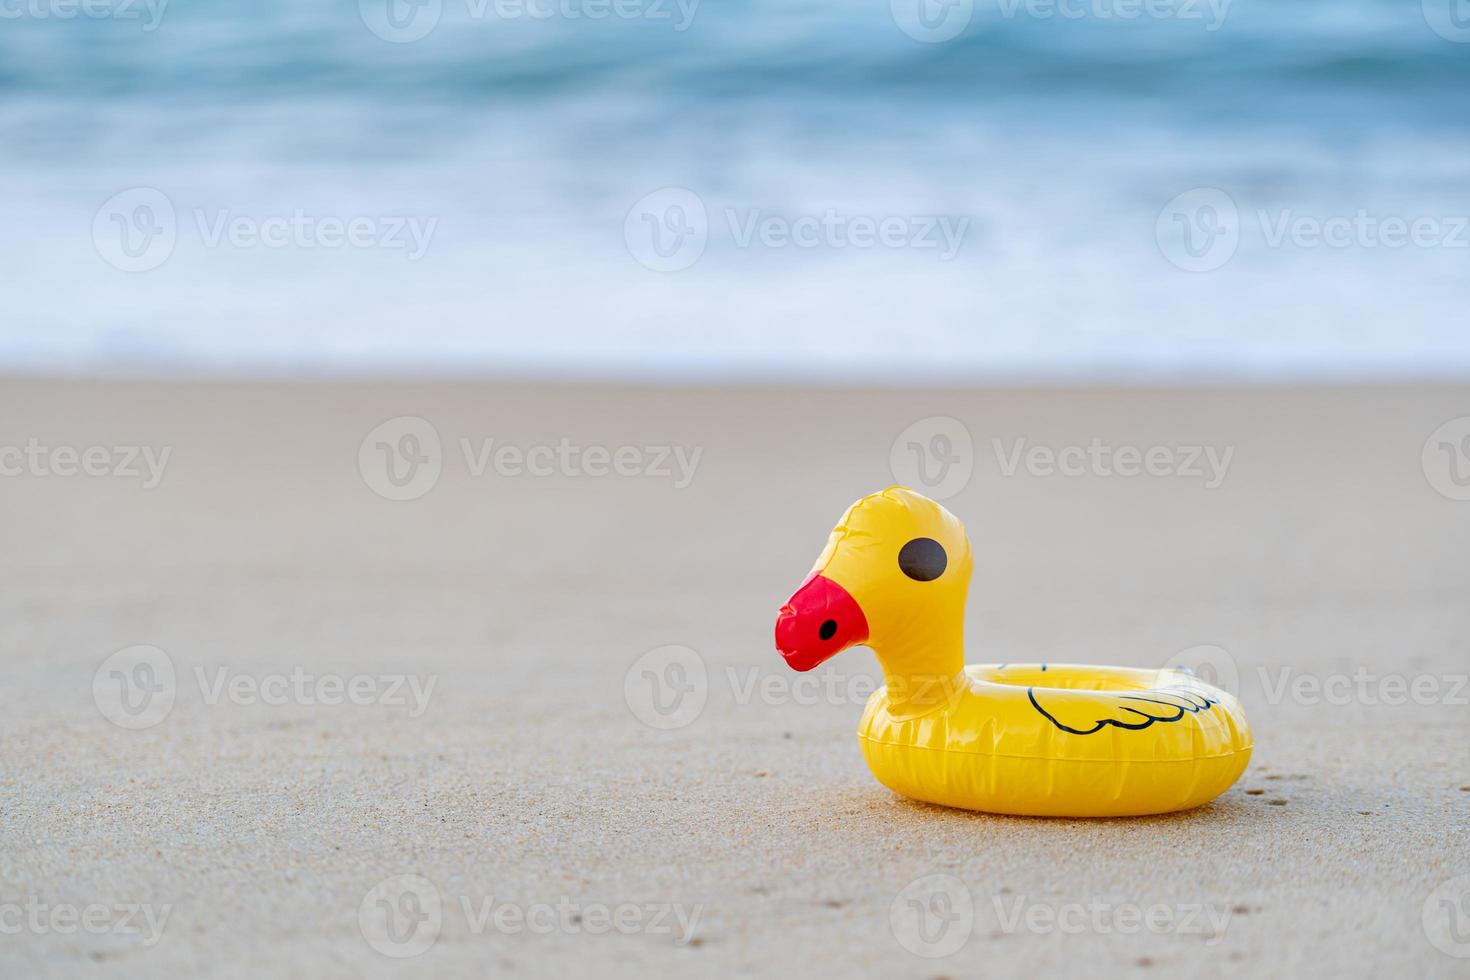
x: 1157, y: 190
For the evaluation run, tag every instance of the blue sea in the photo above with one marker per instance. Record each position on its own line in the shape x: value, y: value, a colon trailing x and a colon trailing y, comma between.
x: 1014, y: 189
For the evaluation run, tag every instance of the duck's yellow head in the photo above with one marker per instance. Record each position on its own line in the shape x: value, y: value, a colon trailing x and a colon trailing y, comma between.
x: 894, y: 576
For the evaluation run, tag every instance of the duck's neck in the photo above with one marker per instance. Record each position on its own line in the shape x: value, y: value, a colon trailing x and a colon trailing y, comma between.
x: 923, y: 670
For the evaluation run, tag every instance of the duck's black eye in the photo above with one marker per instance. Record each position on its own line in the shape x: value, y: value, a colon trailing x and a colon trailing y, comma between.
x: 923, y: 559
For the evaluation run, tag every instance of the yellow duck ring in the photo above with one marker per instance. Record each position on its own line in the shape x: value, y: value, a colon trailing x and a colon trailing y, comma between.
x: 1032, y: 739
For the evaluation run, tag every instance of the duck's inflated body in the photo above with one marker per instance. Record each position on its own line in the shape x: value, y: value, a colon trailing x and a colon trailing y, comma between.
x: 1033, y: 739
x: 1062, y: 740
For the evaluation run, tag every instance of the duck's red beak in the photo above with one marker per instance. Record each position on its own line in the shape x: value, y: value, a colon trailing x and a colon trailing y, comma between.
x: 821, y: 619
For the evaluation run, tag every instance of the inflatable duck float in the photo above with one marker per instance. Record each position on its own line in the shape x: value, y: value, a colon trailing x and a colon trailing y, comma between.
x: 1033, y: 739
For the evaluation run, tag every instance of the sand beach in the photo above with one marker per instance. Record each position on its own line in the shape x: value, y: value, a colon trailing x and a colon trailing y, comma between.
x: 409, y: 719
